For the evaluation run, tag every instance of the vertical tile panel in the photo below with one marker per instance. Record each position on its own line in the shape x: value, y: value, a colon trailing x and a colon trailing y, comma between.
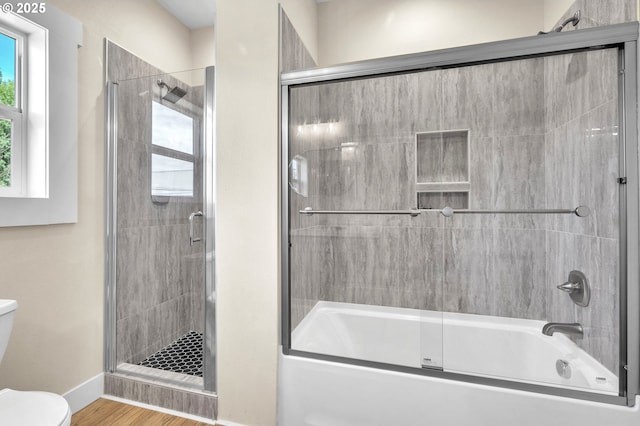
x: 575, y: 176
x: 520, y: 266
x: 603, y: 77
x: 468, y: 99
x: 608, y: 12
x: 387, y: 173
x: 420, y: 268
x: 131, y: 270
x: 552, y: 174
x: 468, y: 270
x: 520, y: 180
x: 378, y: 285
x: 572, y: 86
x: 420, y: 105
x: 133, y: 339
x: 519, y: 97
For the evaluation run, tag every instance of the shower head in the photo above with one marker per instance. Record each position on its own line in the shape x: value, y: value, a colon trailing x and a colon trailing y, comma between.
x: 572, y: 20
x: 174, y: 94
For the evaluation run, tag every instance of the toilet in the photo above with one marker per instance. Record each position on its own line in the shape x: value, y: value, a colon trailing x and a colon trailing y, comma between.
x: 20, y: 408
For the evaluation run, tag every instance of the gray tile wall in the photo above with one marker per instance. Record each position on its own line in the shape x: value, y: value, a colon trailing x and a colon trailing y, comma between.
x: 159, y: 276
x: 596, y: 13
x: 582, y: 168
x: 293, y: 53
x: 542, y: 135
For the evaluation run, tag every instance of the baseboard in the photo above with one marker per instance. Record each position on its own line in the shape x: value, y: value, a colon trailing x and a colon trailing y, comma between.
x: 161, y: 410
x: 85, y: 393
x: 228, y: 423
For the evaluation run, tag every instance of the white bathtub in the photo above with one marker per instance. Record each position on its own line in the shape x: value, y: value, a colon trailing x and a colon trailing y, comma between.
x: 313, y: 392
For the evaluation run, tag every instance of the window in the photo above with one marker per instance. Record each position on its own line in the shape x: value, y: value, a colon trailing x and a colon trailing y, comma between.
x: 172, y: 159
x: 23, y: 108
x: 11, y: 113
x: 44, y: 118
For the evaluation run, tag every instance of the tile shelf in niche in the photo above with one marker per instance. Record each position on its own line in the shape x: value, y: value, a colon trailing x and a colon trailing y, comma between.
x: 442, y: 169
x: 439, y: 200
x: 443, y: 187
x: 442, y: 160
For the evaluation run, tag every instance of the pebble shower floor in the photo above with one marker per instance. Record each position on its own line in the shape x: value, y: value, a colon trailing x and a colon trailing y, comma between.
x: 182, y: 356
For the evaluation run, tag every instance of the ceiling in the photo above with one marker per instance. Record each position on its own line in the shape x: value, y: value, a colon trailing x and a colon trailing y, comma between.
x: 193, y: 14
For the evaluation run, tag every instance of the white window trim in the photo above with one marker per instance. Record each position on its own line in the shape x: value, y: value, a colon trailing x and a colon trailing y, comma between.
x: 56, y: 123
x: 16, y: 114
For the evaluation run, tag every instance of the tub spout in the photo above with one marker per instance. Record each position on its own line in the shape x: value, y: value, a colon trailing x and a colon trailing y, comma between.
x: 572, y: 329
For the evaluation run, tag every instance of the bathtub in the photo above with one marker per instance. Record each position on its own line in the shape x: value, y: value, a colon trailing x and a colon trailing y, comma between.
x: 316, y: 392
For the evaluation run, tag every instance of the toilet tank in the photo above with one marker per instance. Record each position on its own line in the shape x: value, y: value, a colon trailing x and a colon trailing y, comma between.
x: 7, y: 310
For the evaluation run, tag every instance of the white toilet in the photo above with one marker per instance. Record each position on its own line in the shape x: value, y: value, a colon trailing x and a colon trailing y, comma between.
x: 19, y: 408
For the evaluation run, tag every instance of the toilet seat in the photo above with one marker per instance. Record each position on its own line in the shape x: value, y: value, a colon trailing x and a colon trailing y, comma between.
x: 18, y: 408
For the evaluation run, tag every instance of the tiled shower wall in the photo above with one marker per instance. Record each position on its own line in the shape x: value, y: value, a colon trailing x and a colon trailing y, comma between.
x: 542, y: 135
x: 582, y: 169
x: 159, y: 276
x: 477, y: 264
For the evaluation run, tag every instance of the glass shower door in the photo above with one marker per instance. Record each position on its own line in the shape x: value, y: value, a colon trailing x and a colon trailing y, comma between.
x: 531, y: 277
x: 360, y: 264
x: 163, y: 248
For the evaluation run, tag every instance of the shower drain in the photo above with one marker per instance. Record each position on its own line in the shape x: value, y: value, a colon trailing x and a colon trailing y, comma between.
x: 182, y: 356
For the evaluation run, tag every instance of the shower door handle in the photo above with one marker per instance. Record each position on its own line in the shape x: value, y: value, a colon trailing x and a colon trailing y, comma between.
x: 191, y: 239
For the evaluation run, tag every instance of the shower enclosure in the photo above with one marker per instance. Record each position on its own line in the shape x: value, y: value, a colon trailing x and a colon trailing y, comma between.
x: 160, y: 220
x: 468, y: 214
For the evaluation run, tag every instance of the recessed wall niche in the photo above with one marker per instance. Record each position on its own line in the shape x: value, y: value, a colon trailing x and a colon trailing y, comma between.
x: 442, y: 169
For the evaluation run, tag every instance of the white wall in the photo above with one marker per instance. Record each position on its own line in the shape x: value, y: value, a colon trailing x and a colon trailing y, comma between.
x: 203, y: 52
x: 553, y: 10
x: 351, y: 30
x: 56, y: 272
x: 247, y: 205
x: 247, y: 209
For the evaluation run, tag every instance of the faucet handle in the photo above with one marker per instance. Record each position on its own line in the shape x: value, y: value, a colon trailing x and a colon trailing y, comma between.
x: 577, y: 286
x: 569, y: 287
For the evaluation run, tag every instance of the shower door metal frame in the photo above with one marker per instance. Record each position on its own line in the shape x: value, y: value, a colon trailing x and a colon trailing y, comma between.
x: 111, y: 203
x: 209, y: 194
x: 623, y: 37
x: 111, y: 206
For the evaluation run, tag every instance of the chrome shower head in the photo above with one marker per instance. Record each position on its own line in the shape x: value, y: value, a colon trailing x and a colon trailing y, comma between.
x: 572, y: 20
x: 174, y: 94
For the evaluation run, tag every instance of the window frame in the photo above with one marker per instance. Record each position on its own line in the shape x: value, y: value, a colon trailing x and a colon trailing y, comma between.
x: 17, y: 115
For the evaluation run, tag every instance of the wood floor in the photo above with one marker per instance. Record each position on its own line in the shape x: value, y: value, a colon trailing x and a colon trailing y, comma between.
x: 105, y: 412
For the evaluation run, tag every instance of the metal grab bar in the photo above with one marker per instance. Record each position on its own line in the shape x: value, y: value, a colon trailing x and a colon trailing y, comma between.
x: 580, y: 211
x: 191, y: 216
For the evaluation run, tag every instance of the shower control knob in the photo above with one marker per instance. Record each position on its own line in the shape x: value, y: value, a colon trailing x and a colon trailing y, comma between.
x: 577, y: 286
x: 569, y: 287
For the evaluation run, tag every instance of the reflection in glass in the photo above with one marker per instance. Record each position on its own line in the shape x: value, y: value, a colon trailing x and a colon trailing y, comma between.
x: 171, y: 177
x: 171, y: 129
